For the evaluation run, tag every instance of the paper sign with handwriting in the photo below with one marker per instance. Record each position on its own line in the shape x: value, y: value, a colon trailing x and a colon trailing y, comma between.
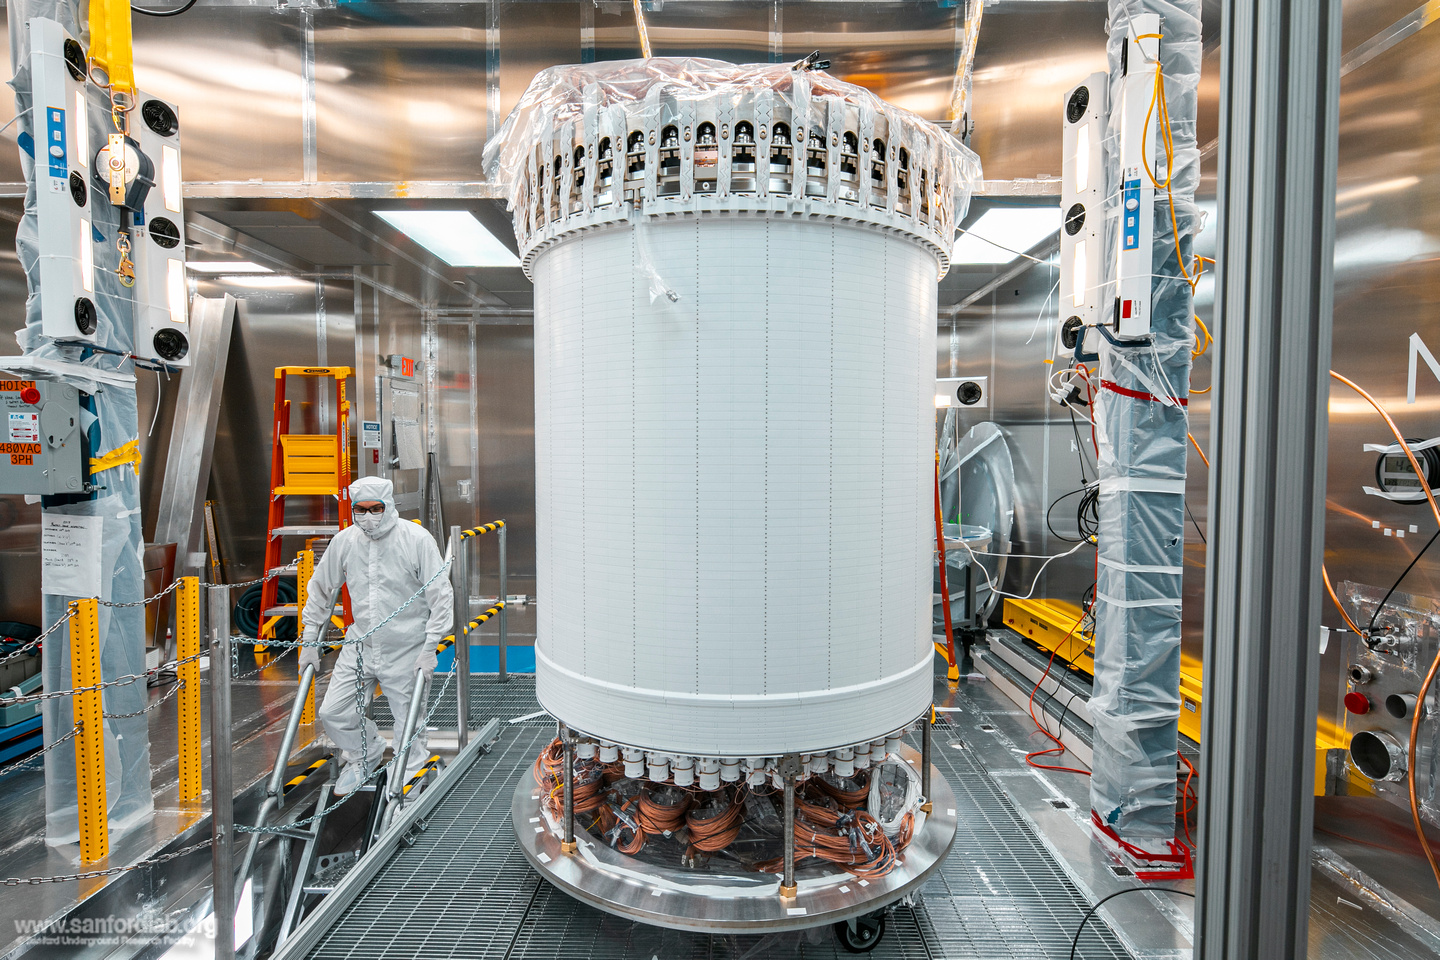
x: 70, y: 550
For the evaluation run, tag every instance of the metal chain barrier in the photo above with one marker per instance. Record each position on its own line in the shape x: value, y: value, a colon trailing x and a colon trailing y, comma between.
x: 104, y: 684
x: 93, y: 874
x: 148, y: 600
x: 14, y: 655
x: 75, y: 732
x: 179, y: 685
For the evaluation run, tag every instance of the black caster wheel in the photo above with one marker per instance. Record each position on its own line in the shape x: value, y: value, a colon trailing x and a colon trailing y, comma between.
x: 861, y: 934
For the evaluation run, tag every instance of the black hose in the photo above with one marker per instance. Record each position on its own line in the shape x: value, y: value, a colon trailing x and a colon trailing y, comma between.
x: 246, y: 615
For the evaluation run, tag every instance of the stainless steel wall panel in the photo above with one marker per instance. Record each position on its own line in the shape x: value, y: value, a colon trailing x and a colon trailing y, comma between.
x: 738, y: 31
x: 236, y: 73
x: 1387, y: 287
x: 1028, y: 56
x: 505, y: 488
x: 533, y: 36
x: 903, y: 52
x: 400, y: 91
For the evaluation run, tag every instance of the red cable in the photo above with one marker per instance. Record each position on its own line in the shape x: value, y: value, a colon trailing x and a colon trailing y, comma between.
x: 1059, y: 745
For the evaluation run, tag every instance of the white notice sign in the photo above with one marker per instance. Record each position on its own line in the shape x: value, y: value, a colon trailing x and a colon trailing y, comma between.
x: 24, y: 427
x: 70, y: 554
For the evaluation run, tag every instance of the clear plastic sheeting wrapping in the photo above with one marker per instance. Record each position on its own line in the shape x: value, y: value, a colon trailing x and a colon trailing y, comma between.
x: 110, y: 420
x: 1142, y: 422
x: 631, y: 140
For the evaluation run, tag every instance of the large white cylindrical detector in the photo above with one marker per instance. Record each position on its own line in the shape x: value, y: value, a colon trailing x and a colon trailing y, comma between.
x: 734, y: 386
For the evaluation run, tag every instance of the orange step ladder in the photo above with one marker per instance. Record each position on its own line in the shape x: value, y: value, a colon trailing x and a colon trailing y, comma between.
x: 304, y: 465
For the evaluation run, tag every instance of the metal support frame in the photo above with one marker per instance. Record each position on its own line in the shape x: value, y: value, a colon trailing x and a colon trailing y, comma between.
x: 295, y: 901
x: 460, y: 587
x: 567, y: 773
x: 187, y: 645
x: 92, y: 808
x: 180, y: 518
x: 222, y: 803
x: 1274, y: 296
x: 790, y: 767
x: 925, y: 732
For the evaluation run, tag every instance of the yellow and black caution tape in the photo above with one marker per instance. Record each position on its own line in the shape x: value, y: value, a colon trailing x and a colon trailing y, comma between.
x: 307, y: 773
x: 481, y: 530
x: 430, y: 764
x: 472, y: 625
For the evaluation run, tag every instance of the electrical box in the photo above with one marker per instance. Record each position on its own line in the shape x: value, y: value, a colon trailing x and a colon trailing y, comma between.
x: 42, y: 451
x: 64, y: 195
x: 1136, y: 235
x: 1082, y: 199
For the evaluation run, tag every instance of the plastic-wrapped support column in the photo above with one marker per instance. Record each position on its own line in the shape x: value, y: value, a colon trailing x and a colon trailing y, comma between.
x: 1136, y: 704
x: 111, y: 420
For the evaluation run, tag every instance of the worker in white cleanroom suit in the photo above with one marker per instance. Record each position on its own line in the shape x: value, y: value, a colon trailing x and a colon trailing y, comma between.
x: 385, y: 562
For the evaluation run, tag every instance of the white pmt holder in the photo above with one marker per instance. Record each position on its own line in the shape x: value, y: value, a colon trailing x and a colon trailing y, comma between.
x: 1082, y: 198
x: 1137, y: 184
x: 162, y: 329
x: 63, y: 183
x: 72, y: 194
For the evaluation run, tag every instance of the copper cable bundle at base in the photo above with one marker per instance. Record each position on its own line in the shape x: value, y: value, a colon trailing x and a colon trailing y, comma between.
x: 831, y: 822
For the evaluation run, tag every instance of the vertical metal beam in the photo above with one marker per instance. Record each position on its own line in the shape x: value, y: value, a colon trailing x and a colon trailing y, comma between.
x: 180, y: 518
x: 92, y: 809
x: 187, y: 645
x: 1274, y: 296
x: 925, y: 732
x: 222, y: 791
x: 307, y: 107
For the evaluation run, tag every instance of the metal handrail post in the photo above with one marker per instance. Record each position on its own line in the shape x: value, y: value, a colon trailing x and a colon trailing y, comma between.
x: 502, y: 674
x: 275, y: 790
x: 460, y: 585
x: 396, y: 788
x: 222, y: 792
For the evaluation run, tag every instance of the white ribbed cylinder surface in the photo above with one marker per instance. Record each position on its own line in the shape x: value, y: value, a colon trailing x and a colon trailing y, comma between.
x: 734, y: 489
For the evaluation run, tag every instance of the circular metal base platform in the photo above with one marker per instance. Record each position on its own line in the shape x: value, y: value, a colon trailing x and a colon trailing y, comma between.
x: 733, y: 903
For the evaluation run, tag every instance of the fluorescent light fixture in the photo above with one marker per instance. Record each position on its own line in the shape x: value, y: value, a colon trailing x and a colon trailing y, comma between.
x: 170, y: 178
x: 175, y: 290
x: 226, y: 267
x: 1082, y: 158
x: 82, y: 130
x: 1078, y: 278
x: 454, y: 236
x: 87, y: 257
x: 1004, y: 233
x: 942, y: 400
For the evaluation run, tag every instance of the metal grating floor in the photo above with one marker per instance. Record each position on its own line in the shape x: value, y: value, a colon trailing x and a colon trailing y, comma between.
x: 488, y: 698
x: 464, y: 890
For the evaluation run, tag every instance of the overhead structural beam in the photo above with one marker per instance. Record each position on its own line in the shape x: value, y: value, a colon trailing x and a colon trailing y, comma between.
x: 1274, y: 296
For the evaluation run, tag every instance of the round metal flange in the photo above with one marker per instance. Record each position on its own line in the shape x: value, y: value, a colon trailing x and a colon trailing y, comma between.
x: 734, y: 903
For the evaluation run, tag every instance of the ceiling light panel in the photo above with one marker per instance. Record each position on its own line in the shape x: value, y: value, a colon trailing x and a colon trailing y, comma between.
x: 1003, y: 233
x: 454, y: 236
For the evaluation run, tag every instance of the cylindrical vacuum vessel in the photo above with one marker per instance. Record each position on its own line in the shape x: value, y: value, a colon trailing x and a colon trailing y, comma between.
x: 735, y: 278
